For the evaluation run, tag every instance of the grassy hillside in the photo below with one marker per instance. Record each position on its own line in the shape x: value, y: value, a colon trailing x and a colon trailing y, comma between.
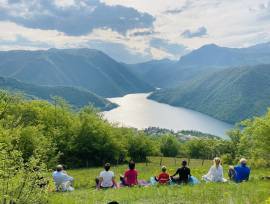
x: 74, y: 96
x: 230, y: 95
x: 86, y: 68
x: 255, y: 191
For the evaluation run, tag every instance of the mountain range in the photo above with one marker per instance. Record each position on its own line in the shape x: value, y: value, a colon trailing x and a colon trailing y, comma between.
x: 202, y: 61
x: 231, y: 94
x: 85, y: 68
x: 74, y: 96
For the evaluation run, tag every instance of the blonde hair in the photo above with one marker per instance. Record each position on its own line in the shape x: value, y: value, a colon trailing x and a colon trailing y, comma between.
x: 217, y: 160
x: 163, y: 169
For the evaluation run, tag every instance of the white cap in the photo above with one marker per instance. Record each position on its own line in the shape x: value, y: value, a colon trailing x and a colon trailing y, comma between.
x: 243, y: 161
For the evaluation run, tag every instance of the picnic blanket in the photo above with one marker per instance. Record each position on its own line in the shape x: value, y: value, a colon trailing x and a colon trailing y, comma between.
x: 192, y: 181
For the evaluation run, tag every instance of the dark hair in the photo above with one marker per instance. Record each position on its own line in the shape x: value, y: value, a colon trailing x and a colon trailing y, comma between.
x: 107, y: 166
x: 184, y: 163
x: 131, y: 165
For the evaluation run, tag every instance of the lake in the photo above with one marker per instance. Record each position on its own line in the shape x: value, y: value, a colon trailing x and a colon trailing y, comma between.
x: 135, y: 110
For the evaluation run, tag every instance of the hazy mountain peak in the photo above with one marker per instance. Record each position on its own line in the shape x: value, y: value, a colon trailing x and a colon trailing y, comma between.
x: 83, y: 67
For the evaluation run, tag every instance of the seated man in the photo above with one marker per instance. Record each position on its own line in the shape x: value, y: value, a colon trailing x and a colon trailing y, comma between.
x: 240, y: 173
x: 62, y: 181
x: 184, y: 174
x: 106, y: 178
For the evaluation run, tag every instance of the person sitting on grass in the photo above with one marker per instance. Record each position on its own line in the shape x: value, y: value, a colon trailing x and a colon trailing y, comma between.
x: 130, y: 177
x: 63, y: 182
x: 106, y: 178
x: 215, y: 173
x: 184, y: 174
x: 163, y: 177
x: 239, y: 173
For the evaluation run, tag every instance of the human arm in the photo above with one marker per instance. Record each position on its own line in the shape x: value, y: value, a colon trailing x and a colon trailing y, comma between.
x: 114, y: 182
x: 221, y: 173
x: 210, y: 172
x: 137, y: 178
x: 99, y: 182
x: 177, y: 172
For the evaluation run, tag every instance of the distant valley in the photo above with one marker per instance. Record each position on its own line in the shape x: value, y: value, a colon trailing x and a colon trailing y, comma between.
x: 230, y: 84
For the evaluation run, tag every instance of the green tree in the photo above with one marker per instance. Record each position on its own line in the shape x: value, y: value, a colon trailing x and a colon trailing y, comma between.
x: 169, y: 146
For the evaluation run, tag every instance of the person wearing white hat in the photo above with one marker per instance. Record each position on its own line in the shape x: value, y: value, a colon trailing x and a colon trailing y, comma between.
x: 63, y: 182
x: 240, y: 172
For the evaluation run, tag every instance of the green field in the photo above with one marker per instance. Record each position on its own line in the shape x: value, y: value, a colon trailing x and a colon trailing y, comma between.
x: 252, y: 192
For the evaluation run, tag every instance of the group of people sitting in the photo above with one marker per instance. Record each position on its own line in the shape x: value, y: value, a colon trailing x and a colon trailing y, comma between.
x: 107, y: 180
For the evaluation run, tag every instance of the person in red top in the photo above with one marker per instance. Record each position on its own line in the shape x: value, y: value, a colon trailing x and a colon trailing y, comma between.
x: 130, y: 176
x: 163, y: 177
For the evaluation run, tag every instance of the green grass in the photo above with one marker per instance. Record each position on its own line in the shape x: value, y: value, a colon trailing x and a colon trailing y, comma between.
x: 252, y: 192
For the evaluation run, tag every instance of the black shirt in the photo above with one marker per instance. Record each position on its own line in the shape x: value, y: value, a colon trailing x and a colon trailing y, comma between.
x: 184, y: 173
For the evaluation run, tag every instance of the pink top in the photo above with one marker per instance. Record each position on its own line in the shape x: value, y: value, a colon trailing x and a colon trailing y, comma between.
x: 131, y: 177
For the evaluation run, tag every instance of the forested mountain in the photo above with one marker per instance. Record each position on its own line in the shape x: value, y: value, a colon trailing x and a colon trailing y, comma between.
x: 152, y: 71
x: 205, y: 60
x: 230, y: 95
x: 74, y: 96
x: 86, y: 68
x: 215, y: 56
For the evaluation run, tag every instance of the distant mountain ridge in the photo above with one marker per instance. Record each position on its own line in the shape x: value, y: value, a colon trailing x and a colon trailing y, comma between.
x: 86, y: 68
x: 231, y: 95
x: 150, y: 71
x: 202, y: 61
x: 74, y: 96
x: 216, y: 56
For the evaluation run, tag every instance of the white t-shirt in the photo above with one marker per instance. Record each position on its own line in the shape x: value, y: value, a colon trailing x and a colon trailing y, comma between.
x: 107, y: 177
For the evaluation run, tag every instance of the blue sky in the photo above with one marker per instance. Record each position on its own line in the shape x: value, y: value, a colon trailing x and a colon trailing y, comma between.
x: 133, y: 30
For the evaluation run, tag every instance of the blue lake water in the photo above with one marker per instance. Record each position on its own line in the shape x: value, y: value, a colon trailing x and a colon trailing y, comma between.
x: 135, y: 110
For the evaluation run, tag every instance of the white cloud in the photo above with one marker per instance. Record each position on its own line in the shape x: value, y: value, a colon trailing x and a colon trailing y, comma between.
x: 64, y: 3
x: 228, y: 23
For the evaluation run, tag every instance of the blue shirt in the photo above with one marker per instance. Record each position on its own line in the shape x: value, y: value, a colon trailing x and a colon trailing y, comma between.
x: 241, y: 173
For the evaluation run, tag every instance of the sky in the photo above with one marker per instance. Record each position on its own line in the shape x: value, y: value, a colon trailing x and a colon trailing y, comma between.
x: 133, y: 31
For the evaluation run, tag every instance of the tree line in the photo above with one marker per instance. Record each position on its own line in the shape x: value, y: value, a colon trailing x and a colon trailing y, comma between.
x: 55, y: 133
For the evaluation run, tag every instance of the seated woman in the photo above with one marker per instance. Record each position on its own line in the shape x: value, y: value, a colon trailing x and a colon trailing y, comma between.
x: 130, y: 177
x: 215, y: 173
x: 163, y: 177
x: 239, y: 173
x: 106, y: 178
x: 184, y: 174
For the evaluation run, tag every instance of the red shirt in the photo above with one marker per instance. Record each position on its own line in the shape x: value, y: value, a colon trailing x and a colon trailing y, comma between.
x: 163, y: 178
x: 131, y: 177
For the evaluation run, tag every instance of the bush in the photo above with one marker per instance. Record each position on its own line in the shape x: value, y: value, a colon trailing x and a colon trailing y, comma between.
x: 21, y: 182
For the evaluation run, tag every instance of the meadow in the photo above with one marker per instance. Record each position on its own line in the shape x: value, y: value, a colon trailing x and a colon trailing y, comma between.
x: 251, y: 192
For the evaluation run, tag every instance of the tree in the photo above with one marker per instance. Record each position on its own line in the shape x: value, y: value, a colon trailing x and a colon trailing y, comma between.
x: 255, y: 140
x: 169, y: 146
x: 139, y: 147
